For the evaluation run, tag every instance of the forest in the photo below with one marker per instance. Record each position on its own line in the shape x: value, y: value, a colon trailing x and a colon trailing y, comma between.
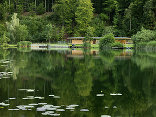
x: 53, y: 20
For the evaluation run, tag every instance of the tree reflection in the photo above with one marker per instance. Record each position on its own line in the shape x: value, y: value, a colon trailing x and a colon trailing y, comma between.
x: 78, y: 81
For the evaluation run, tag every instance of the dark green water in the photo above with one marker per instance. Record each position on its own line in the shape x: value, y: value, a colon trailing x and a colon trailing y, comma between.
x: 77, y: 84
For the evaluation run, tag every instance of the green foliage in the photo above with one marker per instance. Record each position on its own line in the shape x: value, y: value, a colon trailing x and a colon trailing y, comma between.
x: 149, y: 14
x: 31, y: 8
x: 107, y: 41
x: 2, y: 29
x: 4, y: 9
x: 19, y: 9
x: 24, y: 44
x: 87, y: 39
x: 146, y: 45
x: 4, y: 40
x: 84, y: 15
x: 122, y: 18
x: 86, y: 42
x: 144, y: 36
x: 36, y: 27
x: 106, y: 9
x: 40, y: 9
x: 21, y: 33
x: 101, y: 27
x: 74, y: 15
x: 117, y: 44
x: 16, y: 31
x: 51, y: 33
x: 62, y: 33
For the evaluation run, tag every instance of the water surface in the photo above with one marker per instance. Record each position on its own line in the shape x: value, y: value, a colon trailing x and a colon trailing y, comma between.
x: 77, y: 83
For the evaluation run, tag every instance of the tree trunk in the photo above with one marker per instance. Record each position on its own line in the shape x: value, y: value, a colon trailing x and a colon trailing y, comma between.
x: 35, y: 4
x: 130, y: 24
x: 52, y: 5
x: 45, y: 6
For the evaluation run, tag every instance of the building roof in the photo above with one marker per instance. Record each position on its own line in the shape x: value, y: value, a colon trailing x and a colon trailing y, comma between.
x: 98, y: 38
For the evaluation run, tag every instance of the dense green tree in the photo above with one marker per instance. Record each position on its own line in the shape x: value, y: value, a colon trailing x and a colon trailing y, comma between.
x: 124, y: 17
x: 16, y: 31
x: 74, y: 15
x: 51, y: 33
x: 106, y: 9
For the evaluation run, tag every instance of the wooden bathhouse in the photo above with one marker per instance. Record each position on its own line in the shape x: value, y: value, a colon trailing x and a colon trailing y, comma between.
x: 95, y: 40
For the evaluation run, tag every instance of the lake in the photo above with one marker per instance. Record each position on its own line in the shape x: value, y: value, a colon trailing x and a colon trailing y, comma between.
x: 77, y: 83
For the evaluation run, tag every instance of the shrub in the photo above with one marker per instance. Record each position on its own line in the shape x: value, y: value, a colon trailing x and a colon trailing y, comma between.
x: 107, y: 41
x: 117, y: 44
x: 144, y: 36
x: 24, y: 44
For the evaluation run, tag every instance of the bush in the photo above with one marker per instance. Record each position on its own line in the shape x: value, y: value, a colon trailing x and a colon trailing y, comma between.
x: 107, y: 41
x: 144, y: 36
x: 24, y: 44
x: 117, y: 44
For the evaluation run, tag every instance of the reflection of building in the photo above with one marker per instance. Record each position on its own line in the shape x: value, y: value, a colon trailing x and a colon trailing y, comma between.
x: 119, y: 55
x: 95, y: 40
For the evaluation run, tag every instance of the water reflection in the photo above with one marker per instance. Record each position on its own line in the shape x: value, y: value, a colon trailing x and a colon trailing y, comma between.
x: 77, y: 83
